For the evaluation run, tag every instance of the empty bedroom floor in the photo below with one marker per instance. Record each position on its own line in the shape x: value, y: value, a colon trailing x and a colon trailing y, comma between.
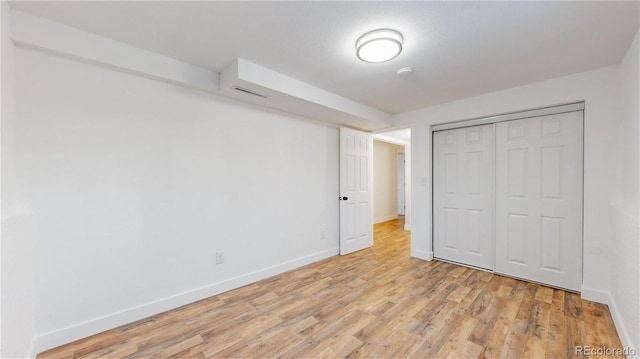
x: 377, y: 302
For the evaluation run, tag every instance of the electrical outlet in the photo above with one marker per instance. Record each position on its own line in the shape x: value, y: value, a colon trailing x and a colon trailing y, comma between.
x: 323, y: 235
x: 219, y: 257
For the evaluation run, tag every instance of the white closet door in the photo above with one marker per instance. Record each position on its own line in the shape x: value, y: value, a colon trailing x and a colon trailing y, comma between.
x: 463, y: 195
x: 539, y: 199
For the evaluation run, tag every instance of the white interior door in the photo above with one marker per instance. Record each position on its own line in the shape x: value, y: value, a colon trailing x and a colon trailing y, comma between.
x: 400, y: 177
x: 463, y: 165
x: 539, y: 199
x: 356, y: 180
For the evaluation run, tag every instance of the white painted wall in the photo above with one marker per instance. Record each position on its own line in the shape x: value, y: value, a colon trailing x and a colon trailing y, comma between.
x: 16, y: 240
x: 136, y: 184
x: 625, y: 246
x: 601, y: 90
x: 631, y: 124
x: 385, y: 181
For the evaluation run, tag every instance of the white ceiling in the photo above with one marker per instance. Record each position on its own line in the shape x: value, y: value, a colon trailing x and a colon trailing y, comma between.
x: 457, y: 49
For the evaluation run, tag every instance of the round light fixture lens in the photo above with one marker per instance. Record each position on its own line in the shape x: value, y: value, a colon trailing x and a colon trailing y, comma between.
x: 379, y: 45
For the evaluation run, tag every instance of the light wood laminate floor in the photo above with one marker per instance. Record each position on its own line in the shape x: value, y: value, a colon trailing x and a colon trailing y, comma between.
x: 375, y: 303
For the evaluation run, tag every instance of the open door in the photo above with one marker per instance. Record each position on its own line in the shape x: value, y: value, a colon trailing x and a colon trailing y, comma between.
x: 356, y: 180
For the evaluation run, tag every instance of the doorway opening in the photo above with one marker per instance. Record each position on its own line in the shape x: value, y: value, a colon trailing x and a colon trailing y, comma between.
x: 392, y: 177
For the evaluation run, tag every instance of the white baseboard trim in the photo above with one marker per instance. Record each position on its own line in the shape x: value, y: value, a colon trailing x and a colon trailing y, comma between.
x: 625, y: 338
x: 77, y: 331
x: 595, y: 295
x: 603, y: 297
x: 384, y: 219
x: 407, y: 227
x: 427, y: 256
x: 32, y: 348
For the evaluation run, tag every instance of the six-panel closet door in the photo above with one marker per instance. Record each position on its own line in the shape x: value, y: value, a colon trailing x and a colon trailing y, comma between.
x: 511, y: 201
x: 463, y: 195
x: 539, y: 199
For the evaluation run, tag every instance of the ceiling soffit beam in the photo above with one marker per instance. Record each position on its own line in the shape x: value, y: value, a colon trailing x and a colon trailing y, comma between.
x: 36, y: 32
x: 285, y: 93
x: 307, y: 100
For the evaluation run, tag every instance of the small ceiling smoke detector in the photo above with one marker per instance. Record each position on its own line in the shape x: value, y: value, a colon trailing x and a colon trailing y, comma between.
x: 404, y: 72
x: 379, y: 45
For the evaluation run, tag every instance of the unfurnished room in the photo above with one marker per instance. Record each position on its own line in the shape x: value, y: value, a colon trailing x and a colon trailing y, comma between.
x: 320, y: 179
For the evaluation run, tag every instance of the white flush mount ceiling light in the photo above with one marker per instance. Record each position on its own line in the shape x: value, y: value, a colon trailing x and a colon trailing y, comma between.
x: 379, y: 45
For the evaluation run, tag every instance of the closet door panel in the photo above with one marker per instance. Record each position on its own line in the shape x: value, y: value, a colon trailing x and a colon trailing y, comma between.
x: 539, y: 199
x: 463, y: 195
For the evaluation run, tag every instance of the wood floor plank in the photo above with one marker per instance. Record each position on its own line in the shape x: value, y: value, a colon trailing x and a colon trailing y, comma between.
x: 458, y: 338
x: 377, y: 302
x: 496, y: 340
x: 557, y: 338
x: 469, y: 350
x: 600, y: 333
x: 544, y: 294
x: 119, y: 351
